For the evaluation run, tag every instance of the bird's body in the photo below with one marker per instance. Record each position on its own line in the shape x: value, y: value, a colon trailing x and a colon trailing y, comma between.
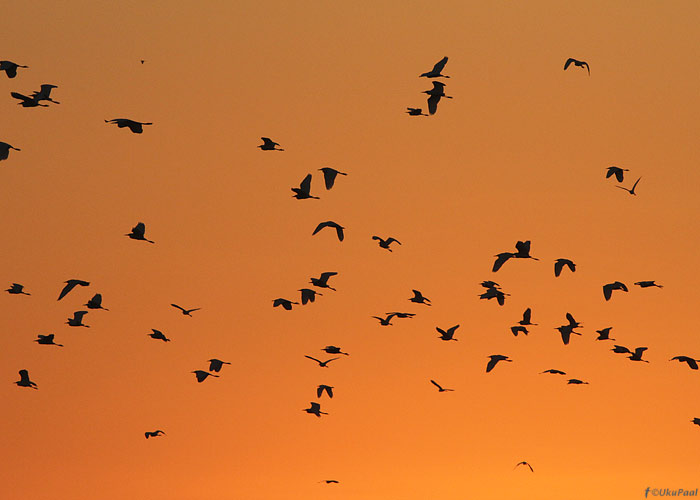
x: 577, y: 63
x: 647, y: 284
x: 5, y: 150
x: 322, y: 364
x: 215, y: 365
x: 554, y: 372
x: 631, y: 191
x: 418, y: 298
x: 17, y: 289
x: 331, y: 349
x: 286, y: 304
x: 186, y: 312
x: 70, y: 284
x: 24, y: 380
x: 618, y: 172
x: 447, y: 334
x: 138, y: 232
x: 308, y: 295
x: 435, y: 94
x: 559, y: 265
x: 415, y: 112
x: 384, y: 243
x: 315, y: 409
x: 494, y: 293
x: 608, y: 289
x: 634, y: 356
x: 329, y: 175
x: 324, y: 388
x: 77, y: 319
x: 330, y: 223
x: 572, y: 322
x: 518, y: 329
x: 385, y: 321
x: 322, y: 281
x: 523, y: 250
x: 45, y: 93
x: 202, y: 375
x: 436, y: 72
x: 303, y: 192
x: 95, y: 302
x: 150, y: 434
x: 440, y: 388
x: 27, y: 101
x: 134, y: 126
x: 692, y: 362
x: 10, y: 68
x: 575, y: 381
x: 566, y: 331
x: 158, y: 335
x: 527, y: 316
x: 269, y: 145
x: 46, y: 340
x: 604, y: 334
x: 494, y: 359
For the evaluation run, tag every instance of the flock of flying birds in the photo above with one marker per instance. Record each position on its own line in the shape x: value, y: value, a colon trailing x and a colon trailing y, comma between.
x: 308, y: 295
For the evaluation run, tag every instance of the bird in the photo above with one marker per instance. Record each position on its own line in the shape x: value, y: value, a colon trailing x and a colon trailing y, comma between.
x: 419, y: 299
x: 559, y: 265
x: 385, y: 321
x: 572, y: 322
x: 215, y: 365
x: 575, y: 381
x: 523, y: 250
x: 635, y: 356
x: 566, y: 331
x: 527, y: 315
x: 647, y: 284
x: 70, y: 284
x: 494, y: 359
x: 46, y: 340
x: 45, y: 93
x: 554, y: 372
x: 304, y: 190
x: 604, y: 334
x: 618, y: 172
x: 186, y: 312
x: 518, y: 329
x: 608, y: 289
x: 494, y: 293
x: 134, y: 126
x: 27, y: 101
x: 436, y: 93
x: 437, y: 70
x: 5, y: 150
x: 327, y: 388
x: 501, y: 259
x: 440, y: 388
x: 329, y: 175
x: 447, y: 334
x: 286, y: 304
x: 322, y: 364
x: 692, y: 363
x: 385, y: 243
x: 523, y: 463
x: 150, y: 434
x: 10, y: 68
x: 24, y: 380
x: 330, y: 223
x: 315, y: 409
x: 322, y: 281
x: 202, y: 375
x: 401, y: 314
x: 416, y: 112
x: 138, y: 232
x: 696, y: 421
x: 77, y: 319
x: 330, y: 481
x: 17, y: 289
x: 490, y: 284
x: 308, y: 295
x: 331, y: 349
x: 580, y: 64
x: 158, y: 335
x: 95, y: 302
x: 631, y: 191
x: 269, y: 145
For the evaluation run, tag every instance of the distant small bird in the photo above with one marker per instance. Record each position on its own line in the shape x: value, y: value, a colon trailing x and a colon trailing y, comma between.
x: 494, y: 359
x: 330, y: 223
x: 201, y: 375
x: 692, y: 363
x: 604, y: 334
x: 322, y: 364
x: 527, y: 315
x: 523, y: 250
x: 215, y: 365
x: 329, y: 175
x: 631, y: 191
x: 5, y: 150
x: 418, y: 298
x: 385, y: 243
x: 524, y: 463
x: 134, y: 126
x: 401, y: 314
x: 647, y: 284
x: 518, y: 329
x: 10, y: 68
x: 150, y: 434
x: 436, y: 72
x: 416, y: 112
x: 385, y: 321
x: 138, y: 232
x: 554, y: 372
x: 635, y: 356
x: 572, y: 322
x: 24, y: 380
x: 566, y: 331
x: 608, y: 289
x: 286, y: 304
x: 580, y: 64
x: 269, y: 145
x: 447, y: 334
x: 186, y: 312
x: 70, y: 284
x: 436, y: 93
x: 559, y: 265
x: 17, y: 289
x: 46, y: 340
x: 490, y: 284
x: 331, y: 349
x: 494, y: 293
x: 322, y: 281
x: 618, y: 172
x: 27, y: 101
x: 308, y: 295
x: 315, y: 409
x: 440, y: 388
x: 158, y: 335
x: 303, y: 192
x: 95, y: 302
x: 327, y: 388
x: 575, y: 381
x: 77, y: 319
x: 45, y: 93
x: 696, y: 421
x: 329, y: 481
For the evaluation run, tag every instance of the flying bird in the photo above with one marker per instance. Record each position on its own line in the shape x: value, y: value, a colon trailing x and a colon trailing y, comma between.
x: 150, y: 434
x: 10, y: 68
x: 158, y: 335
x: 308, y: 295
x: 134, y: 126
x: 402, y: 315
x: 215, y: 365
x: 692, y: 363
x: 385, y: 321
x: 17, y: 289
x: 566, y: 331
x: 201, y: 375
x: 46, y: 340
x: 27, y: 101
x: 330, y: 223
x: 635, y: 356
x: 286, y: 304
x: 45, y: 93
x: 329, y: 175
x: 315, y: 409
x: 559, y: 265
x: 327, y: 388
x: 501, y: 259
x: 447, y: 335
x: 608, y: 289
x: 304, y: 190
x: 580, y: 64
x: 138, y: 232
x: 70, y: 284
x: 696, y: 421
x: 554, y: 372
x: 527, y: 315
x: 436, y: 93
x: 490, y: 284
x: 95, y: 302
x: 572, y: 322
x: 24, y: 380
x: 494, y: 359
x: 494, y: 293
x: 186, y: 312
x: 331, y: 349
x: 269, y: 145
x: 416, y: 112
x: 618, y: 172
x: 518, y: 329
x: 322, y: 364
x: 5, y: 150
x: 419, y: 299
x: 385, y: 243
x: 631, y: 191
x: 604, y: 334
x: 436, y: 72
x: 523, y: 250
x: 440, y: 388
x: 77, y: 319
x: 575, y: 381
x: 329, y: 481
x: 523, y: 463
x: 322, y: 281
x: 647, y: 284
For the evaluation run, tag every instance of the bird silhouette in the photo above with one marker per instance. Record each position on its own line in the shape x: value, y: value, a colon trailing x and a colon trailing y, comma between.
x: 77, y: 319
x: 330, y: 223
x: 385, y: 321
x: 329, y: 481
x: 329, y: 175
x: 572, y: 322
x: 5, y: 150
x: 95, y: 302
x: 566, y: 331
x: 618, y: 172
x: 27, y: 101
x: 559, y: 265
x: 524, y: 463
x: 17, y: 289
x: 150, y: 434
x: 186, y: 312
x: 401, y: 314
x: 269, y: 145
x: 331, y: 349
x: 24, y: 380
x: 286, y: 304
x: 10, y: 68
x: 608, y: 289
x: 604, y: 334
x: 322, y: 281
x: 138, y: 232
x: 322, y: 364
x: 647, y: 284
x: 554, y: 372
x: 635, y: 356
x: 440, y: 388
x: 215, y: 365
x: 494, y: 359
x: 527, y: 316
x: 158, y: 335
x: 45, y: 93
x: 419, y: 299
x: 501, y: 259
x: 436, y: 93
x: 580, y: 64
x: 518, y: 329
x: 70, y: 284
x: 576, y: 381
x: 385, y: 243
x: 489, y: 284
x: 447, y: 334
x: 692, y: 363
x: 202, y: 375
x: 327, y: 388
x: 315, y: 409
x: 631, y: 191
x: 436, y: 72
x: 46, y: 340
x: 304, y: 190
x: 696, y: 421
x: 134, y: 126
x: 494, y: 293
x: 416, y: 112
x: 523, y: 250
x: 308, y: 295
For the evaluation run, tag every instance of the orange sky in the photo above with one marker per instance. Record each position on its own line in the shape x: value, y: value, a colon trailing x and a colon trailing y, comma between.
x: 519, y: 153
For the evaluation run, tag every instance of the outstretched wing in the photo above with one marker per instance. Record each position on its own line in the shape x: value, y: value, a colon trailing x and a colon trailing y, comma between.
x: 568, y: 62
x: 306, y: 184
x: 317, y: 361
x: 502, y: 258
x: 439, y: 66
x: 433, y: 101
x: 436, y: 384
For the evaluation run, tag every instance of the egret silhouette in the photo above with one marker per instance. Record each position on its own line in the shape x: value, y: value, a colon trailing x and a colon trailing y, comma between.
x: 150, y: 434
x: 494, y: 293
x: 402, y: 315
x: 419, y: 299
x: 559, y: 265
x: 576, y: 381
x: 77, y: 319
x: 45, y: 93
x: 618, y: 172
x: 572, y: 322
x: 523, y: 463
x: 518, y: 329
x: 95, y: 302
x: 436, y: 72
x: 385, y: 321
x: 327, y: 388
x: 27, y: 101
x: 46, y: 340
x: 186, y: 312
x: 696, y: 421
x: 315, y: 409
x: 416, y: 112
x: 202, y: 375
x: 17, y: 289
x: 215, y: 365
x: 330, y: 223
x: 440, y: 388
x: 286, y: 304
x: 322, y: 281
x: 24, y: 380
x: 604, y: 334
x: 385, y: 243
x: 138, y: 232
x: 527, y: 315
x: 490, y: 284
x: 269, y: 145
x: 631, y: 191
x: 5, y: 150
x: 566, y: 331
x: 134, y: 126
x: 329, y: 481
x: 647, y: 284
x: 329, y: 175
x: 608, y: 289
x: 158, y: 335
x: 635, y: 356
x: 494, y: 359
x: 322, y: 364
x: 447, y: 334
x: 523, y: 250
x: 308, y: 295
x: 70, y: 284
x: 331, y: 349
x: 304, y: 190
x: 692, y: 363
x: 580, y: 64
x: 436, y: 93
x: 554, y: 372
x: 10, y: 68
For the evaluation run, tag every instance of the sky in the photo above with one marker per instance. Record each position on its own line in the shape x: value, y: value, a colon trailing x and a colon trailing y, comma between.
x: 520, y: 153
